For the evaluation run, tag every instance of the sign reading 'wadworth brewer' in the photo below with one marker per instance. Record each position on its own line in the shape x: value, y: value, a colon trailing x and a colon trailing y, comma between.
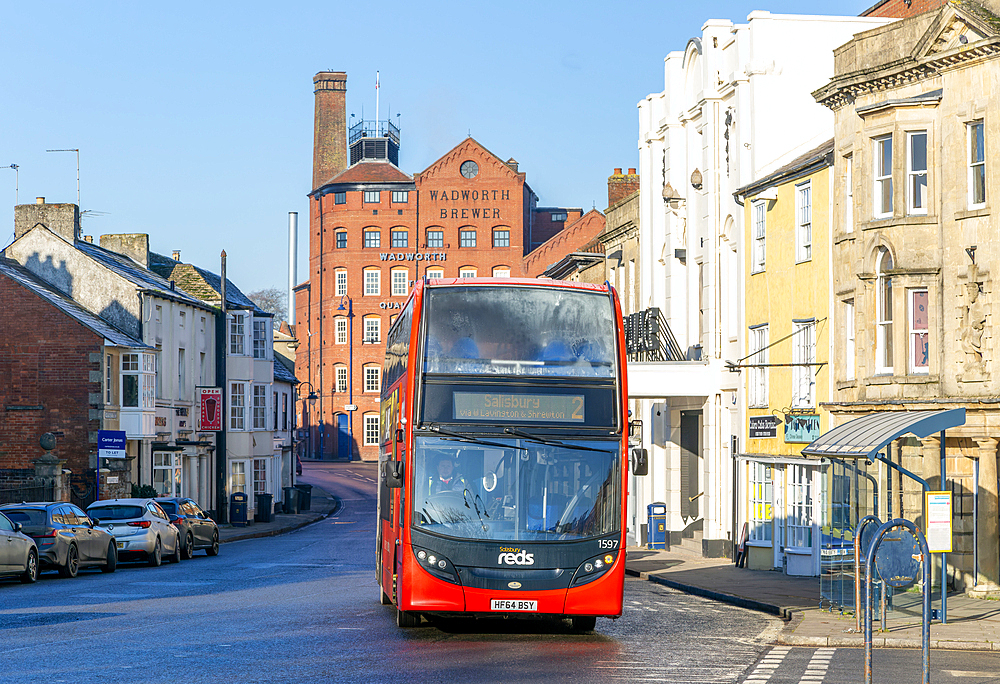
x: 209, y: 409
x: 555, y: 408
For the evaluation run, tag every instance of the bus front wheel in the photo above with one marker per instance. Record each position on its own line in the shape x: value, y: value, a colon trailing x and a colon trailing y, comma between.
x: 406, y: 619
x: 584, y: 623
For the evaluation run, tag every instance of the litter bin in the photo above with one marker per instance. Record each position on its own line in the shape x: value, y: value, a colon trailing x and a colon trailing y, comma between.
x: 262, y: 509
x: 238, y: 509
x: 305, y: 496
x: 291, y: 499
x: 656, y: 514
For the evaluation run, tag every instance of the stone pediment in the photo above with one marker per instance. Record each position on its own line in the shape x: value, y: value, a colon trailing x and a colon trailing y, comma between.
x: 953, y: 30
x: 447, y: 166
x: 911, y: 50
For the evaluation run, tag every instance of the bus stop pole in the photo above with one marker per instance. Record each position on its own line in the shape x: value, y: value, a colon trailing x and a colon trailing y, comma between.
x: 944, y: 556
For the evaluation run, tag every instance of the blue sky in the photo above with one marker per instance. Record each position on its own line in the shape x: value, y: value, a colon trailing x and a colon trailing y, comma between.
x: 194, y: 120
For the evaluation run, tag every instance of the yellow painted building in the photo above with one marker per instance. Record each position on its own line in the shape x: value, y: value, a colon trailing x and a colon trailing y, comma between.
x: 785, y: 373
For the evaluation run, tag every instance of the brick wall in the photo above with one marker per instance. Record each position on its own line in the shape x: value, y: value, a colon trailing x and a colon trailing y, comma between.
x: 47, y: 360
x: 901, y: 9
x: 570, y: 240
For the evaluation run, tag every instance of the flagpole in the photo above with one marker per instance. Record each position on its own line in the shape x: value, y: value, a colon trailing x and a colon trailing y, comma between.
x: 377, y: 132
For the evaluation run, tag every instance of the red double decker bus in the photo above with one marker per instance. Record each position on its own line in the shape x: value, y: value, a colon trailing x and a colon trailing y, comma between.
x: 504, y: 452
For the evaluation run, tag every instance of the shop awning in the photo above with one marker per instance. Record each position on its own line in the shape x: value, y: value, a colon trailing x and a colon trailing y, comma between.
x: 864, y: 436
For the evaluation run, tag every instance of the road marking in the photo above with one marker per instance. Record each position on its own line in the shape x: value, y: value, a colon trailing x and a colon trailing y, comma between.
x: 968, y: 673
x: 816, y: 668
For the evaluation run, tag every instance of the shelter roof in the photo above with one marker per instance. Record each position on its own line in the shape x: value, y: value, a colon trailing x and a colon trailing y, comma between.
x: 861, y: 437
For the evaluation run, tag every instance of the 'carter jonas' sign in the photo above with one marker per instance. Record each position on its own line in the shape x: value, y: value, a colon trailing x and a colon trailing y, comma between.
x: 469, y: 197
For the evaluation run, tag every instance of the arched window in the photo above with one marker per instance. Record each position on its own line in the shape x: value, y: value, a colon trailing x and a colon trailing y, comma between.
x: 883, y: 312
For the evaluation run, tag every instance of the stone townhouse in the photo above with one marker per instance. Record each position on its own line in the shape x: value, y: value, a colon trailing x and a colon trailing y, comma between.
x: 252, y: 464
x: 914, y: 252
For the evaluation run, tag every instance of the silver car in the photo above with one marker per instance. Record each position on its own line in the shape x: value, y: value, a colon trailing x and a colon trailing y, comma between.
x: 18, y: 553
x: 141, y: 529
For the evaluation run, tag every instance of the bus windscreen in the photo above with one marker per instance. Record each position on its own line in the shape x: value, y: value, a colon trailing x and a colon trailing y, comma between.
x: 516, y: 489
x: 526, y: 331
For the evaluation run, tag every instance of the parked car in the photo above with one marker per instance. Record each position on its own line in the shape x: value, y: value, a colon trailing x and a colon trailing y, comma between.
x: 141, y: 529
x: 18, y: 552
x: 66, y: 538
x: 198, y: 531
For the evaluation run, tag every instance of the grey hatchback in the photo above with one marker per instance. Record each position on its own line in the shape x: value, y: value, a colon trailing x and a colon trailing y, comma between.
x: 198, y: 531
x: 66, y: 537
x: 18, y: 553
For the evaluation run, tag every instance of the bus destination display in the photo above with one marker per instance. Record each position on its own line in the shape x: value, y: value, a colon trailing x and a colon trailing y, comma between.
x: 543, y: 408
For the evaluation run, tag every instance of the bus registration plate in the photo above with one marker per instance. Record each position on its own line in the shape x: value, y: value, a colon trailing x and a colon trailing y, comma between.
x: 506, y: 604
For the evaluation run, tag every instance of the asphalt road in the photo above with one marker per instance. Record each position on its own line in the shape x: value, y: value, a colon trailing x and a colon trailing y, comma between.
x: 303, y: 607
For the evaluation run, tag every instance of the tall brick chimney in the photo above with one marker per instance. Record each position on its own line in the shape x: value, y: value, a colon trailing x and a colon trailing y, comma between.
x: 61, y: 219
x: 621, y: 185
x: 330, y: 126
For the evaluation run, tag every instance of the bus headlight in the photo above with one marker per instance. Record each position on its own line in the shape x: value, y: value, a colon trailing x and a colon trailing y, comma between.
x: 436, y: 565
x: 593, y: 568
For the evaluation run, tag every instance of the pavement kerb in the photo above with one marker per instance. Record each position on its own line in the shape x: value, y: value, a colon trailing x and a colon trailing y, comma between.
x: 751, y: 604
x: 286, y: 529
x: 794, y: 616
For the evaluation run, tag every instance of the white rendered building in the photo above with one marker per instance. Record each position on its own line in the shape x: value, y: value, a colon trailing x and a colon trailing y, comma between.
x: 736, y: 105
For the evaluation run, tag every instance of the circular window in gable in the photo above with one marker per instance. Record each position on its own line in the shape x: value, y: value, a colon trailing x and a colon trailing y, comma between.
x: 469, y: 169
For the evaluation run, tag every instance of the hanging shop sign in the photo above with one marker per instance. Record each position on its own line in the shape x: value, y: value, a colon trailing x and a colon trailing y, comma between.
x: 763, y: 427
x: 801, y: 429
x: 209, y: 408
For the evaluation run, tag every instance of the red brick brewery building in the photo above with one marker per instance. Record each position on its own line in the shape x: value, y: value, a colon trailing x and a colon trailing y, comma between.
x: 374, y: 229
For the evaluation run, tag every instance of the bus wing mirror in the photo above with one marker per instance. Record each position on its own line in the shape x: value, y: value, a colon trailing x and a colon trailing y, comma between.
x: 640, y: 462
x: 393, y: 474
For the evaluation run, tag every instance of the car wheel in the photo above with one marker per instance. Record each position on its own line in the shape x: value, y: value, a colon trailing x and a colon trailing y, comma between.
x: 406, y: 619
x: 156, y: 557
x: 30, y: 573
x: 72, y: 562
x: 188, y: 550
x: 110, y: 560
x: 213, y: 550
x: 584, y: 623
x: 176, y: 556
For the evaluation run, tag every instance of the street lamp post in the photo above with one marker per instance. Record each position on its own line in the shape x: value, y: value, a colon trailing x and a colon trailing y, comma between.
x: 350, y: 372
x: 311, y: 399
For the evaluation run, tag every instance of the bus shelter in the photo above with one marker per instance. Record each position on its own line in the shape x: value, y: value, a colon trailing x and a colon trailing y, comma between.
x: 853, y: 492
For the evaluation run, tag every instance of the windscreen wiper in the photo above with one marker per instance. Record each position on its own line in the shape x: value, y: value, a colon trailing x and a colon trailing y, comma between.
x: 468, y: 438
x: 553, y: 442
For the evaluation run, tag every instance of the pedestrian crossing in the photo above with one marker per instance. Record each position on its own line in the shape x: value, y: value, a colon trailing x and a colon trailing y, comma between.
x: 770, y: 665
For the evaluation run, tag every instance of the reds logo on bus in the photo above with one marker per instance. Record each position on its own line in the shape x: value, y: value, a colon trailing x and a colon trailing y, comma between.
x: 511, y: 558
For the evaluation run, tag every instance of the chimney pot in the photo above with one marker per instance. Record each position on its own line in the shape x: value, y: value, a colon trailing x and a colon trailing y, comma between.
x: 177, y: 255
x: 88, y: 238
x: 618, y: 172
x: 39, y: 200
x: 631, y: 172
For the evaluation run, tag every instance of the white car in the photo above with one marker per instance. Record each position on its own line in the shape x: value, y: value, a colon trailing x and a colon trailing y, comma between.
x: 142, y: 530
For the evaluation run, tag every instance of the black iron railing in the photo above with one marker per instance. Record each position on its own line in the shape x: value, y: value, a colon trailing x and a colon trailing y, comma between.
x: 26, y: 492
x: 373, y: 129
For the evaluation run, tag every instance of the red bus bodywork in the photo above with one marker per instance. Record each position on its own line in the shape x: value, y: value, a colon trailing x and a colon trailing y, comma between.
x: 404, y: 582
